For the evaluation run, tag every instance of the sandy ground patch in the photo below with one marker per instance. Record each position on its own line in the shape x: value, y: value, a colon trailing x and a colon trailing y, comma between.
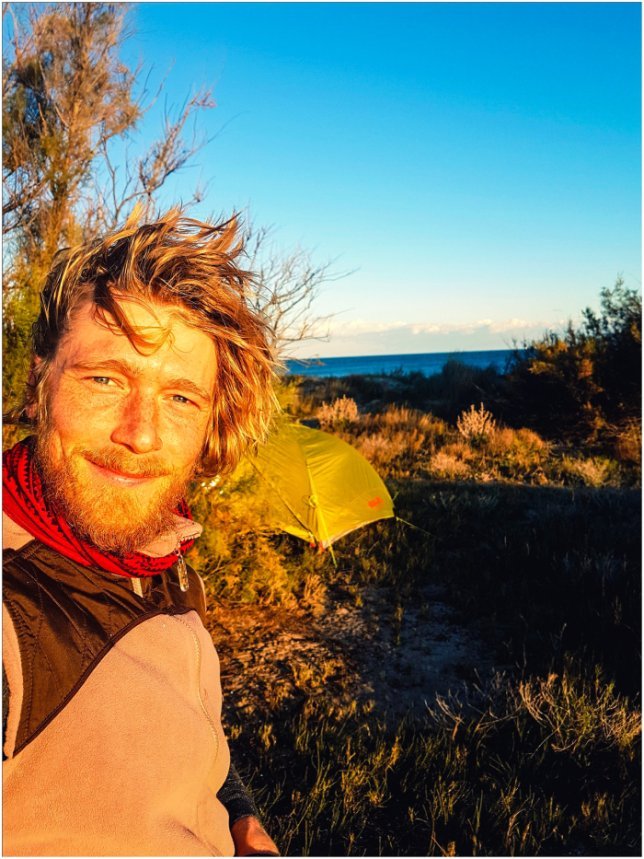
x: 399, y: 657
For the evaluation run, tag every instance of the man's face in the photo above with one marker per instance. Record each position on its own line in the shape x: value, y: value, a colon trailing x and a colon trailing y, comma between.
x: 124, y: 430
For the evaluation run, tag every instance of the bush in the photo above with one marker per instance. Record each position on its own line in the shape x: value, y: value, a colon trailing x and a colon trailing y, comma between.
x: 588, y: 378
x: 594, y: 471
x: 339, y: 414
x: 447, y: 466
x: 519, y: 454
x: 628, y: 443
x: 383, y: 450
x: 460, y: 385
x: 476, y: 425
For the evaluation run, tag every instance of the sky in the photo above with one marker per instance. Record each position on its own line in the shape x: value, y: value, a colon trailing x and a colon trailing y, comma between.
x: 472, y: 169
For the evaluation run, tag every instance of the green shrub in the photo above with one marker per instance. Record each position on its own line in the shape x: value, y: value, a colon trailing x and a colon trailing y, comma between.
x: 588, y: 378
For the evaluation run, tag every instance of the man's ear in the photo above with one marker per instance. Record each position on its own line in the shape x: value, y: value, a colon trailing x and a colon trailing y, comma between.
x: 34, y: 372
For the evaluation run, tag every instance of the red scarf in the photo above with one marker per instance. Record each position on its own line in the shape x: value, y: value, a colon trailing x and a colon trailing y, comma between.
x: 24, y: 502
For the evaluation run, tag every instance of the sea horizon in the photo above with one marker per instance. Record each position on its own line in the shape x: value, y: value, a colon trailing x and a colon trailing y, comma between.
x: 427, y: 363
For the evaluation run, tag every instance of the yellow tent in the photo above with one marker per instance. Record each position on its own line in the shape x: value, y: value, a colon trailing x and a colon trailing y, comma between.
x: 322, y: 487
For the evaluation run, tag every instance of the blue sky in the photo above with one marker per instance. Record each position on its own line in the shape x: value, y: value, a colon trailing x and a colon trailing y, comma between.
x: 476, y: 167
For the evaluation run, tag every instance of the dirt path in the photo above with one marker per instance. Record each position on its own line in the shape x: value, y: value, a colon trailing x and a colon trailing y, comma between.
x: 399, y: 658
x: 405, y: 658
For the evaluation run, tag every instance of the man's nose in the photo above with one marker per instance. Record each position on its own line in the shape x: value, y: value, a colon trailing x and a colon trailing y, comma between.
x: 138, y: 426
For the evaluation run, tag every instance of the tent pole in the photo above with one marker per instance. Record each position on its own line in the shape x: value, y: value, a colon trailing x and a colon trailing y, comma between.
x: 324, y: 531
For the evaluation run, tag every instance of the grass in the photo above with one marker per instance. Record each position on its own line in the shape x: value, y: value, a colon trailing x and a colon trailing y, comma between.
x: 535, y: 544
x: 548, y: 766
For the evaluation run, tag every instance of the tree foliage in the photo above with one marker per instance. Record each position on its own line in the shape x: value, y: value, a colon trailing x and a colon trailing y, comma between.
x: 589, y: 377
x: 66, y: 96
x: 284, y: 288
x: 71, y: 110
x: 68, y: 99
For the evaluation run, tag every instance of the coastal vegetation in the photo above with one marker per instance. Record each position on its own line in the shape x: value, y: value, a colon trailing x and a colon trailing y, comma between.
x: 530, y: 540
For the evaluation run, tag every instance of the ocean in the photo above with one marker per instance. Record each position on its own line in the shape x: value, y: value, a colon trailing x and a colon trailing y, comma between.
x: 427, y: 363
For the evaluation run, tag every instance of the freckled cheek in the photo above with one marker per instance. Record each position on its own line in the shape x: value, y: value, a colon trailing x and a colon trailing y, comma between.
x: 78, y: 419
x: 187, y: 440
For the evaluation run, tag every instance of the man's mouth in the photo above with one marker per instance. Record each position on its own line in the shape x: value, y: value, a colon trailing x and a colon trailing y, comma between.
x: 122, y: 478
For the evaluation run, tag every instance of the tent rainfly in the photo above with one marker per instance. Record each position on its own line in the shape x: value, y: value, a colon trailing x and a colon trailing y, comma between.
x: 322, y: 487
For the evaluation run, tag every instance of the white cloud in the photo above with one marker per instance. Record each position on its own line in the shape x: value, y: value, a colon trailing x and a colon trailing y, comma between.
x: 363, y: 326
x: 503, y: 326
x: 368, y: 337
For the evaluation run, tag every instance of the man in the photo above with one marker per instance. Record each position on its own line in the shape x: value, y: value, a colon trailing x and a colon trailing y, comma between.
x: 149, y: 368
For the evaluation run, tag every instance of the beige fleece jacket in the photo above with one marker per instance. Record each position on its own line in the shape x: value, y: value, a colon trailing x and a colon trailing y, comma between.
x: 132, y: 763
x: 131, y: 766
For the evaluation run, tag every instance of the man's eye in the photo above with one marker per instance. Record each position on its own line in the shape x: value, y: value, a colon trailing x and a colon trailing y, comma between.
x: 179, y: 398
x: 101, y: 380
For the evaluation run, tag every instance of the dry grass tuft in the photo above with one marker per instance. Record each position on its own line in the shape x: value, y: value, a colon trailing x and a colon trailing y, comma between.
x: 448, y: 467
x: 475, y: 425
x: 398, y: 440
x: 397, y: 451
x: 382, y: 450
x: 339, y: 414
x: 579, y: 715
x: 594, y: 471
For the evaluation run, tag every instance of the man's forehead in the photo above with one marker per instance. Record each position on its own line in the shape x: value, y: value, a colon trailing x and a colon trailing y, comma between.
x: 149, y: 329
x: 140, y: 314
x: 149, y: 324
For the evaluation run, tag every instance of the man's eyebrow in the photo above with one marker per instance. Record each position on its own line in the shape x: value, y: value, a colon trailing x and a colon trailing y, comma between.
x: 190, y: 387
x: 128, y: 369
x: 115, y: 364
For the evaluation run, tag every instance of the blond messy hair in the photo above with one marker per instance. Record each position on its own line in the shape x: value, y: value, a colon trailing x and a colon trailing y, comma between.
x: 175, y: 260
